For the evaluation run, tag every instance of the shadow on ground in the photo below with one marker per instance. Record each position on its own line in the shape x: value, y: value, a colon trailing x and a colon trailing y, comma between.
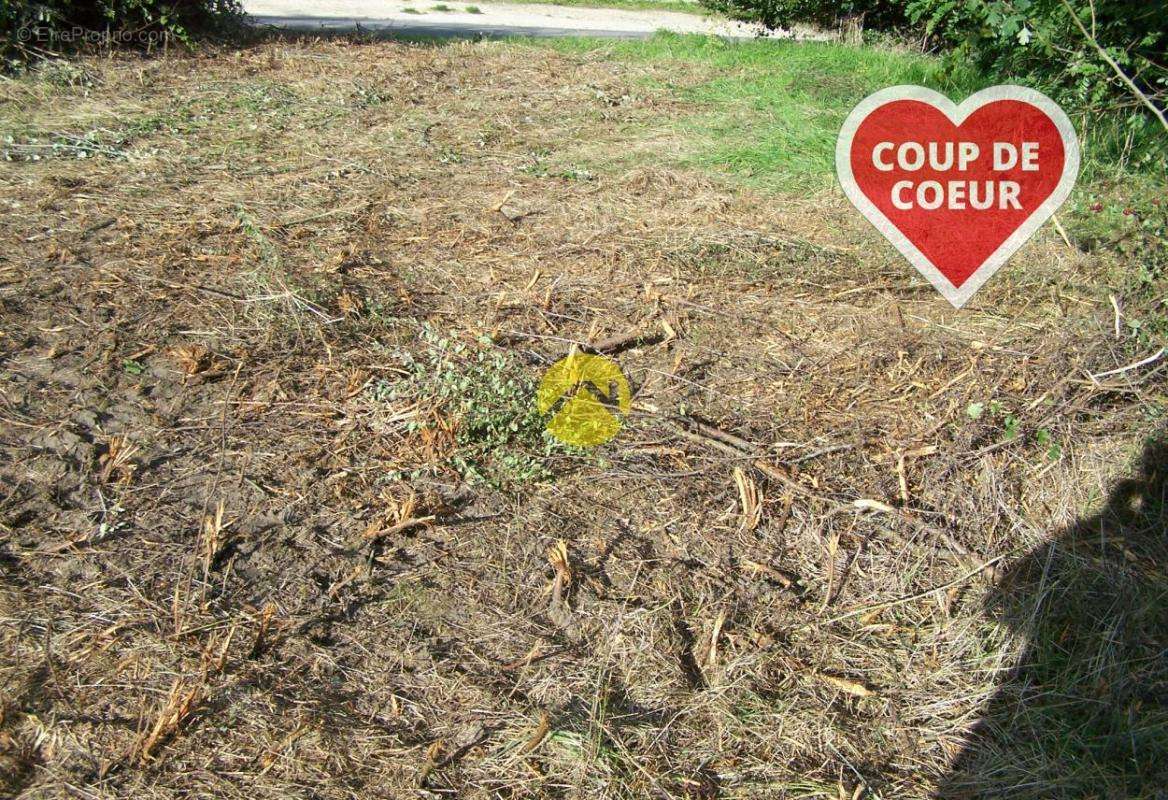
x: 1085, y: 714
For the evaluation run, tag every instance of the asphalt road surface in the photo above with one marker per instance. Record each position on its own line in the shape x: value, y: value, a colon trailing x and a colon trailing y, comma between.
x: 404, y: 18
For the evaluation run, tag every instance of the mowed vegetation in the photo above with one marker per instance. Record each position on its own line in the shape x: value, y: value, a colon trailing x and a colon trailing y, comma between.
x: 279, y: 519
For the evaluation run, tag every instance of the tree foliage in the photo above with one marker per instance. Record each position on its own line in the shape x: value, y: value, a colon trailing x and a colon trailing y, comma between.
x: 29, y: 28
x: 1039, y: 39
x: 876, y: 14
x: 1036, y: 41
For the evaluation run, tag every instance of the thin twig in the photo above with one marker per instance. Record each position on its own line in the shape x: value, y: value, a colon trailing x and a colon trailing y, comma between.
x: 1143, y: 98
x: 1135, y: 365
x: 911, y: 597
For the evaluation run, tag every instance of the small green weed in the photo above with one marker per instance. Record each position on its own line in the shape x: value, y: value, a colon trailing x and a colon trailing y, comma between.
x: 1009, y: 427
x: 1045, y: 440
x: 473, y: 10
x: 367, y: 97
x: 64, y: 74
x: 1130, y: 219
x: 575, y: 174
x: 98, y: 142
x: 539, y: 168
x: 499, y: 435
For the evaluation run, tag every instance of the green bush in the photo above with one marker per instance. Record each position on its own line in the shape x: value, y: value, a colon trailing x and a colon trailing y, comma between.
x: 874, y: 14
x: 488, y: 398
x: 1039, y: 43
x: 29, y: 30
x: 1036, y: 42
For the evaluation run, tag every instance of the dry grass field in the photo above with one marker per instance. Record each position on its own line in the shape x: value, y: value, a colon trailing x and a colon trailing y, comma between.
x: 278, y: 518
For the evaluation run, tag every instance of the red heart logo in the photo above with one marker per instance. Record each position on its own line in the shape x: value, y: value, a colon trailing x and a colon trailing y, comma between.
x: 957, y: 189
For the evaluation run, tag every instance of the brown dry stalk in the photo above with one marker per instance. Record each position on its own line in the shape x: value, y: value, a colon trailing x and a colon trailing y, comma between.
x: 176, y: 607
x: 377, y: 532
x: 192, y: 358
x: 178, y: 706
x: 538, y: 735
x: 433, y: 760
x: 626, y: 341
x: 352, y: 575
x: 498, y: 207
x: 271, y: 757
x: 750, y: 498
x: 712, y: 654
x: 265, y: 623
x: 832, y: 551
x: 211, y: 540
x: 118, y: 458
x: 557, y: 556
x: 212, y: 662
x: 526, y: 660
x: 775, y: 574
x: 403, y: 519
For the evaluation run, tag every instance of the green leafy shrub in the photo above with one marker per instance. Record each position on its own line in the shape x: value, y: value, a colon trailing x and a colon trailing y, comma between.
x: 29, y: 30
x: 1036, y: 42
x: 875, y: 14
x: 499, y: 434
x: 1040, y: 43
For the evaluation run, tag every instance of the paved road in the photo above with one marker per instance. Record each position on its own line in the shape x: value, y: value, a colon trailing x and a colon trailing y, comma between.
x: 418, y: 18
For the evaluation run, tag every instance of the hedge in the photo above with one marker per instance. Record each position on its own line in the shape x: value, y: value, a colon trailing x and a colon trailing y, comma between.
x: 29, y: 30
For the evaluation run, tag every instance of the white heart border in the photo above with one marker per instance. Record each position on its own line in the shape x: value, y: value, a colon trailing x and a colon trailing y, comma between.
x: 957, y: 114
